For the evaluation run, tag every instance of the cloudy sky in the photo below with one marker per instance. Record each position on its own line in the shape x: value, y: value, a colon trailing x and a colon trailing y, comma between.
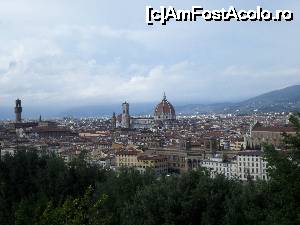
x: 87, y: 52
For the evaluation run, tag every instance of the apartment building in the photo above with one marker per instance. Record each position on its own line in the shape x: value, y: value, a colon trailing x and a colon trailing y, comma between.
x: 251, y: 164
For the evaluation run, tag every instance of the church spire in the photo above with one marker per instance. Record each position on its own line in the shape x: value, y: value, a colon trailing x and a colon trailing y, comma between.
x: 164, y: 96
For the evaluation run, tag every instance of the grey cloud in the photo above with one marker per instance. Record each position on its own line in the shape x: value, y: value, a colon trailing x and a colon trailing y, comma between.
x: 79, y: 52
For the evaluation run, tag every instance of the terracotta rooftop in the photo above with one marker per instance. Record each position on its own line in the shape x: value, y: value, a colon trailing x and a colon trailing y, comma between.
x: 250, y: 153
x: 164, y: 107
x: 151, y: 157
x: 127, y: 152
x: 281, y: 129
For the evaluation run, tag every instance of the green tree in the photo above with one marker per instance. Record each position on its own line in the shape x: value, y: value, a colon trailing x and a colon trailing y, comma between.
x: 76, y: 211
x: 284, y: 184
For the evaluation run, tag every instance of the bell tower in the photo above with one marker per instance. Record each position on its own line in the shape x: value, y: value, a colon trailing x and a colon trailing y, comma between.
x: 18, y: 111
x: 125, y: 115
x: 113, y: 121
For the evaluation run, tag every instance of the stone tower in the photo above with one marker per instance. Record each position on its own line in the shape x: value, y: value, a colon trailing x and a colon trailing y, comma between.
x: 113, y: 121
x: 125, y: 115
x: 18, y: 111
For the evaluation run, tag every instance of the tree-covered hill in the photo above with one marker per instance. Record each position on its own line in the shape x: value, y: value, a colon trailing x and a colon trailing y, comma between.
x: 283, y: 100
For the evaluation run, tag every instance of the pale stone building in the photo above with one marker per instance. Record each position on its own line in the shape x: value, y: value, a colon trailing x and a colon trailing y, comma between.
x: 269, y: 135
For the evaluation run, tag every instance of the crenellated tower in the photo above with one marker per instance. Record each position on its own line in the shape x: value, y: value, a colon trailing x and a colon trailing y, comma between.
x: 113, y: 121
x: 18, y: 111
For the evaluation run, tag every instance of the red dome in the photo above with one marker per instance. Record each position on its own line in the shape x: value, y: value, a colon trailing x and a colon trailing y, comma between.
x: 164, y: 108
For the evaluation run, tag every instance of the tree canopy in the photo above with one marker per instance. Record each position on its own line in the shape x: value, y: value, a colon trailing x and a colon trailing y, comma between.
x: 42, y: 189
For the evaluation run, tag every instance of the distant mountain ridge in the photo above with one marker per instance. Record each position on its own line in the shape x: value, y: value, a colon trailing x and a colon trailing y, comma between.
x: 282, y: 100
x: 286, y: 99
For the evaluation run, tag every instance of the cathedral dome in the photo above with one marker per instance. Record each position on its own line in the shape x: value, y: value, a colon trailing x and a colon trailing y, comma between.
x: 164, y: 110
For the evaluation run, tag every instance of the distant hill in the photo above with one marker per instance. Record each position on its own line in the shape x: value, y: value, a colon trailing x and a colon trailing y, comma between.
x: 202, y: 108
x: 287, y: 99
x: 283, y: 100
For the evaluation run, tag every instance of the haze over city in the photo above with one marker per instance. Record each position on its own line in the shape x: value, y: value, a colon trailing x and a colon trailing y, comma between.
x: 76, y: 53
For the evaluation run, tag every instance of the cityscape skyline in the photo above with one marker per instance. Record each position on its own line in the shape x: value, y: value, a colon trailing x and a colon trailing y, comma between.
x: 274, y: 101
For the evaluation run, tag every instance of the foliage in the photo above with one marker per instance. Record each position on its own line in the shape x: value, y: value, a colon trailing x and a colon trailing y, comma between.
x: 284, y: 170
x: 42, y: 189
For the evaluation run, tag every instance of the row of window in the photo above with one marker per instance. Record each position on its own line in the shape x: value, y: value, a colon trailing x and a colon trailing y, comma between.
x: 248, y: 164
x: 246, y: 170
x: 255, y: 158
x: 252, y: 164
x: 255, y: 177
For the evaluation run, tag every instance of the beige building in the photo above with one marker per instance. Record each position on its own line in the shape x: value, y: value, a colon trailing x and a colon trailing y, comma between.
x: 269, y: 135
x: 127, y: 158
x: 237, y: 145
x: 142, y: 162
x: 187, y: 156
x: 177, y: 159
x: 159, y: 164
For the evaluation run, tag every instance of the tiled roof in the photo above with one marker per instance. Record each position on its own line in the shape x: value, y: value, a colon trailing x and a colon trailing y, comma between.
x: 250, y: 153
x: 164, y: 107
x: 281, y: 129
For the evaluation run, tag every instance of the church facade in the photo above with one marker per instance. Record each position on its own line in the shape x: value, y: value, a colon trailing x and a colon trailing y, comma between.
x: 164, y: 112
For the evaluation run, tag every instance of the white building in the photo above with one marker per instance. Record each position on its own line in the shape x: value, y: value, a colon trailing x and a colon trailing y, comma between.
x: 251, y: 163
x: 247, y: 164
x: 216, y: 165
x: 8, y: 150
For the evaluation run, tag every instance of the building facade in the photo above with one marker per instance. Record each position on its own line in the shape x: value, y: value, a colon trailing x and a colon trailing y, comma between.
x: 157, y: 163
x: 142, y: 162
x: 164, y: 115
x: 217, y: 165
x: 250, y: 164
x: 271, y: 135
